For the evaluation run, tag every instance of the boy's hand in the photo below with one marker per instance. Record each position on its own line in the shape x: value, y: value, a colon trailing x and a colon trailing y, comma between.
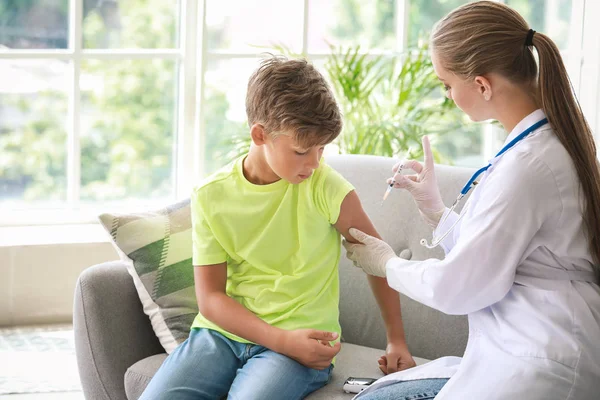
x: 309, y: 347
x: 397, y: 358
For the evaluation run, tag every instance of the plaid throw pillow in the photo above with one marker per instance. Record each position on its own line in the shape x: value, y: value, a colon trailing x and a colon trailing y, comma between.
x: 157, y: 247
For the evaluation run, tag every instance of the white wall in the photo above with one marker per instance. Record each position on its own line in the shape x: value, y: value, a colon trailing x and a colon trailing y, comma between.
x: 37, y: 281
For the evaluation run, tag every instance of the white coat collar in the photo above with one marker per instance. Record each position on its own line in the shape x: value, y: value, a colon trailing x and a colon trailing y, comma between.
x: 525, y: 123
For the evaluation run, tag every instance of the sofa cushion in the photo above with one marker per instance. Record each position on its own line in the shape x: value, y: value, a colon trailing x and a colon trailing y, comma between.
x: 157, y: 250
x: 353, y: 360
x: 139, y: 374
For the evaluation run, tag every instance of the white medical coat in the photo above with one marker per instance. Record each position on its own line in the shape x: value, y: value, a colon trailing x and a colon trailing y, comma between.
x: 519, y: 265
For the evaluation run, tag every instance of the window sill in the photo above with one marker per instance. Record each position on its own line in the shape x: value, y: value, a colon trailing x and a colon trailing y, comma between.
x: 52, y: 234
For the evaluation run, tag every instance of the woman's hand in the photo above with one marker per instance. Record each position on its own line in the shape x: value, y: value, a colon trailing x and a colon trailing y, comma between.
x: 396, y: 358
x: 371, y: 254
x: 310, y: 347
x: 423, y: 187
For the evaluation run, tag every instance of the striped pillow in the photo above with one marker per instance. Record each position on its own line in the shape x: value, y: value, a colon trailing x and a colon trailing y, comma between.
x: 157, y: 248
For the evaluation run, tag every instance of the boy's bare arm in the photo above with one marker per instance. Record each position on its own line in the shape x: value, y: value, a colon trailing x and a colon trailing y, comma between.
x: 304, y: 345
x: 352, y: 215
x: 216, y: 306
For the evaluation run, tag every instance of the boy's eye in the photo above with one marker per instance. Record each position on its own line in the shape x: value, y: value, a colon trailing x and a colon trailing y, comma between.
x: 303, y: 153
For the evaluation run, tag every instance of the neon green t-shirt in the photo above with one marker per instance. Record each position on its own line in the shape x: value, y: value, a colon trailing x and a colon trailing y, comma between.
x: 278, y: 240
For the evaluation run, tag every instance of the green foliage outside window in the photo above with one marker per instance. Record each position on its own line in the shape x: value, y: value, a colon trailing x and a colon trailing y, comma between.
x: 127, y: 119
x: 388, y: 103
x: 128, y: 107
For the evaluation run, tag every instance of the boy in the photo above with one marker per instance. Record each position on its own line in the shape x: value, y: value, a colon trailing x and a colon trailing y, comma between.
x: 266, y: 237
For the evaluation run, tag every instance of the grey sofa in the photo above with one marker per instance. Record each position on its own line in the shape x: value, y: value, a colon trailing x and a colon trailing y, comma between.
x: 118, y: 353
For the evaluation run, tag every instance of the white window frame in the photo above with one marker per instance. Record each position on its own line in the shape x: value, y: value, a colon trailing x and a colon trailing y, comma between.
x: 185, y: 58
x: 192, y: 56
x: 589, y: 85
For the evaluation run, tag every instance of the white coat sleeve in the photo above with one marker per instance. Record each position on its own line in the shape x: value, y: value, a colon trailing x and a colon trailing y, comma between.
x: 444, y: 226
x: 520, y: 197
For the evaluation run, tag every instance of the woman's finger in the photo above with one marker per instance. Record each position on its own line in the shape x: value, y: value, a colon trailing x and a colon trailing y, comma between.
x: 413, y: 178
x: 351, y: 247
x: 403, y: 182
x: 427, y: 152
x: 397, y: 166
x: 350, y: 256
x: 414, y: 165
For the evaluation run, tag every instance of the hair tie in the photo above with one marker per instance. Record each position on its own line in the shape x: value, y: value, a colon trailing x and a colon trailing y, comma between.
x: 529, y: 39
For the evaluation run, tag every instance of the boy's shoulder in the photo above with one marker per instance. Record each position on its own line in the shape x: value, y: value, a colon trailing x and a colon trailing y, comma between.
x: 217, y: 179
x: 325, y: 174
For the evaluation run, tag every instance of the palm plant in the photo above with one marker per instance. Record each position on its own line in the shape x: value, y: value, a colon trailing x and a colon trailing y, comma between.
x: 388, y: 103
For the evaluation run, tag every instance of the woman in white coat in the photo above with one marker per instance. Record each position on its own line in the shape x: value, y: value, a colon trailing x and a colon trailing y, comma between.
x: 522, y: 259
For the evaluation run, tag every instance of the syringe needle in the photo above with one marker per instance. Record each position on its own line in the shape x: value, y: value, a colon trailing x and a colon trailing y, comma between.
x: 387, y: 193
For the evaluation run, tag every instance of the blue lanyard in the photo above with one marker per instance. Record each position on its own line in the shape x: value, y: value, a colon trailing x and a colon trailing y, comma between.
x: 516, y: 140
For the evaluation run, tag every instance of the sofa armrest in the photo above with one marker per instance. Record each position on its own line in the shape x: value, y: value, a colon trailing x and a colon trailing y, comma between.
x: 111, y: 330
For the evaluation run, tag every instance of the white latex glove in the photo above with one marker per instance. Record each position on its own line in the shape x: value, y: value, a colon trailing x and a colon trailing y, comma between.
x: 423, y: 187
x: 371, y: 254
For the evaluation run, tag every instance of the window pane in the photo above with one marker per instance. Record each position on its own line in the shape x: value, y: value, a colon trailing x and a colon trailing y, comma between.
x: 227, y: 133
x: 424, y: 14
x: 34, y: 24
x: 389, y: 103
x: 241, y: 25
x: 33, y: 109
x: 128, y: 130
x: 127, y: 24
x: 462, y: 146
x: 368, y: 23
x: 551, y: 17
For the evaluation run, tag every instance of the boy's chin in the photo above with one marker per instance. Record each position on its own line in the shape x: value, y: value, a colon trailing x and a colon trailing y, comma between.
x: 297, y: 179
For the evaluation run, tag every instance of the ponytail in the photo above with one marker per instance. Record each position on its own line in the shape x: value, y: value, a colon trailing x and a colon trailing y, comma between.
x: 485, y: 36
x: 570, y: 126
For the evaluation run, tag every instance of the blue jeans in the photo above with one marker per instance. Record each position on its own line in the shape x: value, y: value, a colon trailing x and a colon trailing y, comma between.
x: 422, y: 389
x: 210, y: 366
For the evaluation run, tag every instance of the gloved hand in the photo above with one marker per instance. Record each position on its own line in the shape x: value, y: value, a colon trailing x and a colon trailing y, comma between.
x: 423, y: 187
x: 371, y: 254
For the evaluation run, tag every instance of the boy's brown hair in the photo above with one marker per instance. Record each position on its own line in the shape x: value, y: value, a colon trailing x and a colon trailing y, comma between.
x: 292, y: 95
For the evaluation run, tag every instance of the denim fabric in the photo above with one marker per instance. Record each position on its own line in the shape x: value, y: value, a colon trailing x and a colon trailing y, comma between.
x: 422, y: 389
x: 210, y: 366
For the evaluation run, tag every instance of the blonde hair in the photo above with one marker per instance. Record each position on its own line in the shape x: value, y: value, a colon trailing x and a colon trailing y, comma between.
x: 292, y: 95
x: 483, y: 37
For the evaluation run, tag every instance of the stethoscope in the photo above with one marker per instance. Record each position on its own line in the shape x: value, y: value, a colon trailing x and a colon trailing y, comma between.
x: 435, y: 241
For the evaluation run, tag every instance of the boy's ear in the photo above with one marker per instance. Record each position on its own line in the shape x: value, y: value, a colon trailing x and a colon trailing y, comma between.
x: 258, y: 134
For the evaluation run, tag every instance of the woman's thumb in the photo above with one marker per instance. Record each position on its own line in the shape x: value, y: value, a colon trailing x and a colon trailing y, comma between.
x: 359, y: 235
